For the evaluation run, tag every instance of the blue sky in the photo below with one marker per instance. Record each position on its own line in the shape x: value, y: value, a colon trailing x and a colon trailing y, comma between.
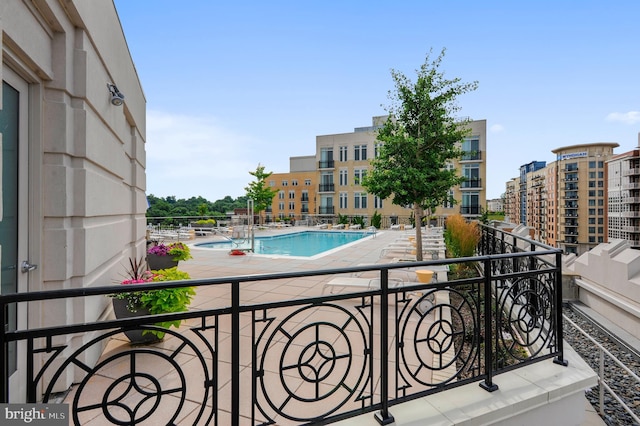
x: 233, y: 84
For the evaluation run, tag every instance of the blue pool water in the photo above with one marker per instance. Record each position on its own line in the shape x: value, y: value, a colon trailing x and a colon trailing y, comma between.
x: 307, y: 243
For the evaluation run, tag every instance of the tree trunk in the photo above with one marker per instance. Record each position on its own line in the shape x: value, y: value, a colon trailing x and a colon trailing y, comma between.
x: 418, y: 225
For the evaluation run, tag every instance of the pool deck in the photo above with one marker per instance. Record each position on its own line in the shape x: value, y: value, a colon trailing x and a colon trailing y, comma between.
x: 214, y: 263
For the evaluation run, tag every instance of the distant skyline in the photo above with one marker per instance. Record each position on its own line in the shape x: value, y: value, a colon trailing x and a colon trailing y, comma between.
x: 233, y: 84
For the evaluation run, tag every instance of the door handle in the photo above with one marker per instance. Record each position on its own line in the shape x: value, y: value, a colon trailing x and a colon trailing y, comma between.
x: 28, y: 267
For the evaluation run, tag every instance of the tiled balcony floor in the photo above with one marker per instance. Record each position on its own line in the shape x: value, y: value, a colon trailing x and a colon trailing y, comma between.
x: 207, y: 263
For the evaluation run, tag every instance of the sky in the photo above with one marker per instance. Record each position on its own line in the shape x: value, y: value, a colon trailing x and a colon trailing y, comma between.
x: 233, y: 84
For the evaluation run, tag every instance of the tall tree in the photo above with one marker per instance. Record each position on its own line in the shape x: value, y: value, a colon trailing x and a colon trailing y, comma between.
x: 420, y: 140
x: 258, y: 190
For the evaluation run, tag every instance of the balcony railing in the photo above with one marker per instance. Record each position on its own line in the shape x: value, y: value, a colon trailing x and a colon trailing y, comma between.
x: 326, y: 187
x: 326, y: 210
x: 311, y: 360
x: 326, y: 164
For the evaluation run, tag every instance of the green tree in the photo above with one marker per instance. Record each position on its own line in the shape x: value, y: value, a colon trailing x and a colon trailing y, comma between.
x: 258, y: 190
x: 420, y: 139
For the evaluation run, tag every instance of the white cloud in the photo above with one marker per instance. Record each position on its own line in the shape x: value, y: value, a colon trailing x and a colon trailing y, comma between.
x: 191, y: 156
x: 630, y: 117
x: 496, y: 128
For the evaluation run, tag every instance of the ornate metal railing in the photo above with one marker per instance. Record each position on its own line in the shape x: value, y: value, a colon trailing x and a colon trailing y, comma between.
x: 306, y: 360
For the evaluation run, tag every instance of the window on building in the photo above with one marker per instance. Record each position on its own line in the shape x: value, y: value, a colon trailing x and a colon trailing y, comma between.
x: 592, y: 229
x: 294, y: 182
x: 326, y: 157
x: 600, y: 239
x: 376, y: 149
x: 592, y: 164
x: 272, y: 183
x: 344, y: 177
x: 358, y: 175
x: 592, y: 202
x: 449, y: 203
x: 601, y: 212
x: 304, y: 195
x: 307, y: 182
x: 601, y: 164
x: 600, y: 202
x: 600, y: 221
x: 592, y: 193
x: 592, y: 212
x: 360, y: 200
x: 280, y: 195
x: 377, y: 202
x: 292, y: 195
x: 592, y: 175
x: 600, y: 193
x: 600, y: 184
x: 471, y: 148
x: 600, y: 175
x: 285, y: 183
x: 343, y: 200
x: 343, y: 153
x: 292, y: 205
x: 592, y: 238
x: 281, y: 205
x: 592, y: 221
x: 360, y: 152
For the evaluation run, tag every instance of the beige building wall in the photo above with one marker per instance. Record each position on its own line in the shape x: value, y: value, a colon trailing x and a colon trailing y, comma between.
x: 82, y: 159
x: 512, y: 201
x: 296, y: 197
x: 582, y: 195
x: 343, y: 159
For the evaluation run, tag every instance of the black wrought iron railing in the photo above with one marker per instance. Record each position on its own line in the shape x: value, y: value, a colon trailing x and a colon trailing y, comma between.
x: 305, y: 360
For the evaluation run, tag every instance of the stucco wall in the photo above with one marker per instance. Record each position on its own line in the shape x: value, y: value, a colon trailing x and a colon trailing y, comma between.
x: 86, y: 156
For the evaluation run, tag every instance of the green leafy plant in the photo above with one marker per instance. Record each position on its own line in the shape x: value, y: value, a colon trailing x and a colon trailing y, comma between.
x: 376, y: 220
x: 343, y: 220
x: 205, y: 222
x: 162, y: 301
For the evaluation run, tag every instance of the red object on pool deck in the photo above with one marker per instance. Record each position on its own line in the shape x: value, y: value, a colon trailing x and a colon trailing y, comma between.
x: 237, y: 253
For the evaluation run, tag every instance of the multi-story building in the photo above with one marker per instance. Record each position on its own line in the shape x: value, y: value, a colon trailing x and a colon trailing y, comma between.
x: 344, y: 159
x: 549, y: 235
x: 581, y: 209
x: 296, y: 197
x: 524, y: 172
x: 495, y: 205
x: 623, y: 196
x: 536, y: 195
x: 512, y: 201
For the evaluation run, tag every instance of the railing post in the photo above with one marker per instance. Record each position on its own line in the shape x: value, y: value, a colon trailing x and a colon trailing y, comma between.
x: 235, y: 353
x: 488, y: 384
x: 4, y: 373
x: 559, y: 329
x: 383, y: 416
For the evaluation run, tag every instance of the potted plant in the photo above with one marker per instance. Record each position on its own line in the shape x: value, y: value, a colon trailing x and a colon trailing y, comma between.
x: 151, y: 302
x: 164, y: 256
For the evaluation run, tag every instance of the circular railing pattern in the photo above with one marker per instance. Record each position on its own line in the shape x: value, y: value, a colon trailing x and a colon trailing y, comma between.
x: 320, y: 357
x: 438, y: 335
x: 150, y: 382
x: 527, y: 307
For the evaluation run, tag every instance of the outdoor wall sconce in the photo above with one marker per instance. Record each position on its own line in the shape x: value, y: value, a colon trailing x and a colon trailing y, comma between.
x: 117, y: 98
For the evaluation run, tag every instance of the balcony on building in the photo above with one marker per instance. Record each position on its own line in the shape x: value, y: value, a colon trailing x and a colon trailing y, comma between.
x: 326, y: 164
x: 326, y: 210
x: 326, y: 187
x: 631, y: 172
x: 471, y: 183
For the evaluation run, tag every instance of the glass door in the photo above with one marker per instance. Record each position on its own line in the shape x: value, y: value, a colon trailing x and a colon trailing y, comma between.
x: 14, y: 216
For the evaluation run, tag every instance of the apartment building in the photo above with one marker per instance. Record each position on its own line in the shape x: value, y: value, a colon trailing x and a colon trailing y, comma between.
x: 623, y: 197
x: 550, y: 233
x: 343, y: 161
x: 512, y: 201
x: 581, y: 195
x: 525, y: 170
x: 296, y: 197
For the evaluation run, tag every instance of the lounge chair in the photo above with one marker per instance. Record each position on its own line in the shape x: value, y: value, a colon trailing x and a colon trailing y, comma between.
x: 357, y: 282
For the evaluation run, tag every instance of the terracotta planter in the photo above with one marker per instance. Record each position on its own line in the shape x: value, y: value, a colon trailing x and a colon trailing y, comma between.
x: 156, y: 262
x: 135, y: 336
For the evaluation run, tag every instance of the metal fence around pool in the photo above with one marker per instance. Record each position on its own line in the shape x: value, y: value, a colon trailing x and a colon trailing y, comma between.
x: 310, y: 360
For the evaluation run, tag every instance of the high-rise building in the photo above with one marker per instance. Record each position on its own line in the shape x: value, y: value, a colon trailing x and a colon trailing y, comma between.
x: 581, y: 196
x: 623, y: 196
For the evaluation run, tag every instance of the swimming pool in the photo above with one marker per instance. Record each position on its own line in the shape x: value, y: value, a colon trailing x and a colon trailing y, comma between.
x: 306, y: 243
